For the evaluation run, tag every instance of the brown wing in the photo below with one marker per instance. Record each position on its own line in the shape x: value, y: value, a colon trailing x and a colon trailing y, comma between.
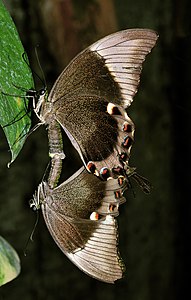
x: 110, y: 68
x: 95, y: 88
x: 80, y: 217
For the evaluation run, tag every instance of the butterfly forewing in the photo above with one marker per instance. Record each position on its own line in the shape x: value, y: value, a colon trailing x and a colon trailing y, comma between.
x: 100, y: 69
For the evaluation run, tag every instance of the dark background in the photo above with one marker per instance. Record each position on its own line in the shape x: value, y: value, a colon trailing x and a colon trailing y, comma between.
x: 154, y: 229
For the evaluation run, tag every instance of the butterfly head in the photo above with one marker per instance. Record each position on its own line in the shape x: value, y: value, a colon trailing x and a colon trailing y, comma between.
x: 40, y: 106
x: 36, y: 202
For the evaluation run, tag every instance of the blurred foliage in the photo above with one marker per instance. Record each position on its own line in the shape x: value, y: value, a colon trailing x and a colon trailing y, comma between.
x: 9, y: 262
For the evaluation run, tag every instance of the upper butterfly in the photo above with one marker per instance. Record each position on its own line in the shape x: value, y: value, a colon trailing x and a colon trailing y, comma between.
x: 89, y: 99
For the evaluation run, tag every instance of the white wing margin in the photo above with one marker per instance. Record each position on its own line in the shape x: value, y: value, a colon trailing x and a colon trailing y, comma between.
x: 99, y: 257
x: 124, y: 53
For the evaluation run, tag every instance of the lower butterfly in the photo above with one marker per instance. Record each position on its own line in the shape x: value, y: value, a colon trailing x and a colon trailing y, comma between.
x: 80, y: 215
x: 88, y: 101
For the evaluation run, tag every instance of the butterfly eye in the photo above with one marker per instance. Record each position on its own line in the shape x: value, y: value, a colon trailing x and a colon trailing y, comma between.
x: 42, y: 92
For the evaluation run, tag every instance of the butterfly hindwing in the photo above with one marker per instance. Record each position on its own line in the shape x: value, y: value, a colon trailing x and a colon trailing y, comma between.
x: 79, y: 214
x: 103, y: 136
x: 100, y: 257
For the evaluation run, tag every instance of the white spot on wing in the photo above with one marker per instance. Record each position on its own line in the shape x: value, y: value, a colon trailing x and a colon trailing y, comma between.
x: 110, y: 107
x: 94, y: 216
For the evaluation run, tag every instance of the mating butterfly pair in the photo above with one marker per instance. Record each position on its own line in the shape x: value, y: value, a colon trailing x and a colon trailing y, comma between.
x: 88, y: 102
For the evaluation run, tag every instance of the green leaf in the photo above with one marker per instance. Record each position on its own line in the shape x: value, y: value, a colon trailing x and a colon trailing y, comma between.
x: 15, y: 80
x: 9, y: 262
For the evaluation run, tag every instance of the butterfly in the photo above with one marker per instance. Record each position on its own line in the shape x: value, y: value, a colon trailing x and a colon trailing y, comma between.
x: 80, y: 215
x: 88, y: 101
x: 90, y: 97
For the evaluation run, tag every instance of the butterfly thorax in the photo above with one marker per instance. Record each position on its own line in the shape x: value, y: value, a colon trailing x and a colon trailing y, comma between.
x: 43, y: 109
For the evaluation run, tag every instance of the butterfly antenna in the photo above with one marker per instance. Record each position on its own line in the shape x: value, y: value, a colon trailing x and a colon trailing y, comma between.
x: 25, y: 58
x: 41, y: 69
x: 30, y: 238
